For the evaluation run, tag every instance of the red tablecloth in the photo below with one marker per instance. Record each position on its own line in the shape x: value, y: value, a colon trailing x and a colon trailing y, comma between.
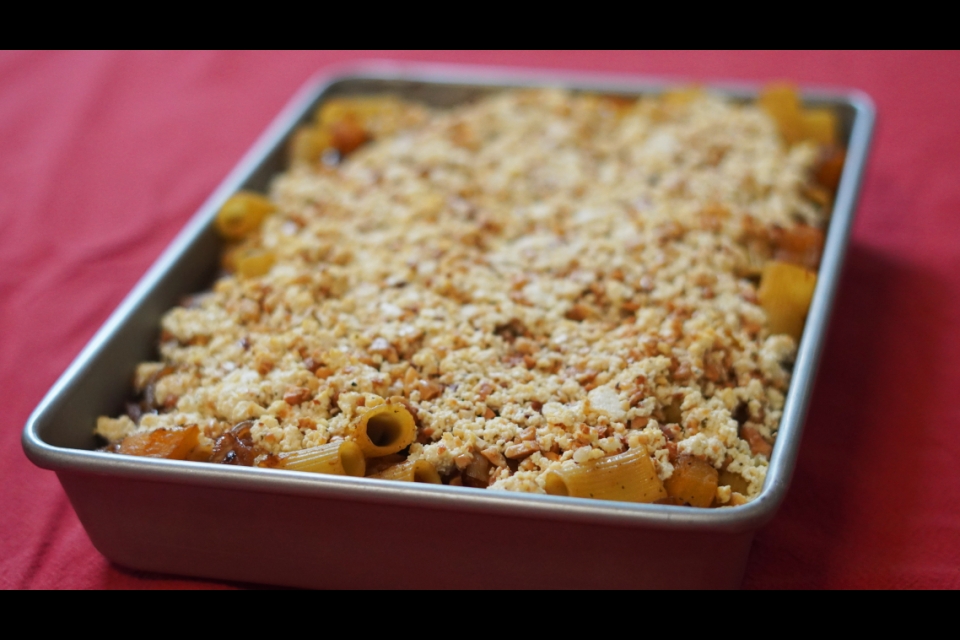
x: 104, y: 156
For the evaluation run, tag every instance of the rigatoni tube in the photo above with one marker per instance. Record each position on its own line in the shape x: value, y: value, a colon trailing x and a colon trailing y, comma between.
x: 385, y: 429
x: 410, y: 471
x: 629, y: 477
x: 342, y: 458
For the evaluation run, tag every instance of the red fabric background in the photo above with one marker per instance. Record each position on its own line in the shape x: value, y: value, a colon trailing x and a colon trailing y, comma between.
x: 104, y: 156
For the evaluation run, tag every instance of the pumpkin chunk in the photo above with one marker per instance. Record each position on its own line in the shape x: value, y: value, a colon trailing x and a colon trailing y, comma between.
x: 253, y: 263
x: 783, y: 104
x: 820, y: 126
x: 785, y: 294
x: 693, y: 481
x: 309, y: 143
x: 735, y: 481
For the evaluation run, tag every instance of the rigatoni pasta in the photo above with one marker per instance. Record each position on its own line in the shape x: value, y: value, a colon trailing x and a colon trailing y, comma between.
x: 410, y: 471
x: 385, y: 429
x: 242, y: 214
x: 343, y: 458
x: 628, y: 477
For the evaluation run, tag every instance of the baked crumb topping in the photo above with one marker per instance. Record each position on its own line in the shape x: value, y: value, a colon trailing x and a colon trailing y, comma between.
x: 542, y: 278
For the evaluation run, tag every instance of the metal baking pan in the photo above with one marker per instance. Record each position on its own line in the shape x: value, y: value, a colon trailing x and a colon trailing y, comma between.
x: 310, y: 530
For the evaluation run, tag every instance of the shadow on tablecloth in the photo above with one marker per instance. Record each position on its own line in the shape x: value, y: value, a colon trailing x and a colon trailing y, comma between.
x: 861, y: 492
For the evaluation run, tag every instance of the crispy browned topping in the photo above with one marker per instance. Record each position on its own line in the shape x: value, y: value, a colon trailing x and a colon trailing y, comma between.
x: 542, y: 279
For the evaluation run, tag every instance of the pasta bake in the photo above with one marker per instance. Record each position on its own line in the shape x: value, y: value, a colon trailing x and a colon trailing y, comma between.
x: 541, y: 291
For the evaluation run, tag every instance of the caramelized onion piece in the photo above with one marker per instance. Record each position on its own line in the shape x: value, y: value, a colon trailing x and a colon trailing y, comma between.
x: 801, y: 245
x: 173, y: 444
x: 831, y: 168
x: 235, y: 446
x: 477, y: 473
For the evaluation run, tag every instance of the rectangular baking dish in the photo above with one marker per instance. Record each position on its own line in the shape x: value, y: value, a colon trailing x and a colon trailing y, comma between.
x: 310, y: 530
